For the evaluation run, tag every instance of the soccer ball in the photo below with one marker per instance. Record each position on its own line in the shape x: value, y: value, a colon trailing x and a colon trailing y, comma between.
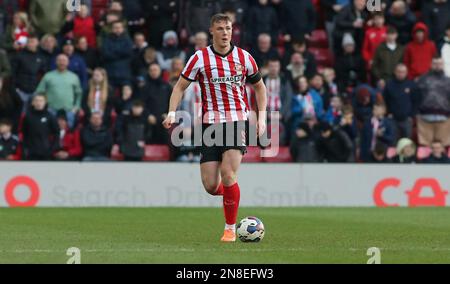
x: 250, y: 229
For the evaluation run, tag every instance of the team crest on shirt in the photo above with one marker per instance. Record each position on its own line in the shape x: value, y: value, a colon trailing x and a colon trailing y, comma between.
x: 239, y: 68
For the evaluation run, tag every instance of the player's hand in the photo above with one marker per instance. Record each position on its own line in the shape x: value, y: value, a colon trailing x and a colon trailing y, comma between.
x: 261, y: 127
x: 169, y: 121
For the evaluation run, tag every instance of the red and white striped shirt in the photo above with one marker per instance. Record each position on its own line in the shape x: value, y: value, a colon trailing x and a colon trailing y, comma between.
x: 222, y: 82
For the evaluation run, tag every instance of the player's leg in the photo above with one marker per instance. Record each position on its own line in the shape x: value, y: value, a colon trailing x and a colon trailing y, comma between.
x: 211, y: 177
x: 229, y: 167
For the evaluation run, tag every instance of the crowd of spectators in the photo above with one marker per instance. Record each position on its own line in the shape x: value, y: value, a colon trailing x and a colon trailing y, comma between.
x: 348, y: 84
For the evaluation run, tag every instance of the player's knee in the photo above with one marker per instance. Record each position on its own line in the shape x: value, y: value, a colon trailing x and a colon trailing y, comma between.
x: 210, y: 187
x: 229, y: 178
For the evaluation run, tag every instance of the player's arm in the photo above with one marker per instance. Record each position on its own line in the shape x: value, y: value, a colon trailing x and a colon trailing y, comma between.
x: 261, y: 101
x: 175, y: 99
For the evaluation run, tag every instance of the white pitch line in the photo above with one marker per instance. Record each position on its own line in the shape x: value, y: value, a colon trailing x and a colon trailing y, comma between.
x: 156, y: 250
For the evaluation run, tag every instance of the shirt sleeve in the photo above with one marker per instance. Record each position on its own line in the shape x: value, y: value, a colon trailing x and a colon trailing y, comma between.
x: 253, y: 75
x: 191, y: 69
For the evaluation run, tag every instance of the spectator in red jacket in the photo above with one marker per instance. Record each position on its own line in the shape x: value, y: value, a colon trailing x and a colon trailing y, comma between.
x: 374, y: 36
x: 68, y: 146
x: 419, y: 52
x: 82, y: 25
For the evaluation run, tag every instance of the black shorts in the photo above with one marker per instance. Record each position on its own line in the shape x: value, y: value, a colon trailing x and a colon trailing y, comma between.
x: 234, y: 136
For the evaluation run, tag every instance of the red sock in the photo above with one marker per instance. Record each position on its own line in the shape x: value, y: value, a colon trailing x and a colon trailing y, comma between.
x: 219, y: 190
x: 231, y: 197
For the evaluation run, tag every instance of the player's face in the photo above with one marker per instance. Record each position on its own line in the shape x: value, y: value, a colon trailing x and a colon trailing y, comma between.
x: 221, y: 33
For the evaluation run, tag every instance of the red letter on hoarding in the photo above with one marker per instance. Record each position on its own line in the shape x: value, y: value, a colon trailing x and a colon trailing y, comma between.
x: 22, y: 180
x: 438, y: 198
x: 380, y: 187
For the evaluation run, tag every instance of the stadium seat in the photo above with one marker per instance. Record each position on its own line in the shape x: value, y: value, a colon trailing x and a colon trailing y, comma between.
x: 391, y: 152
x: 157, y: 153
x: 423, y: 152
x: 115, y: 153
x: 253, y: 155
x: 284, y: 156
x: 318, y: 39
x: 323, y: 56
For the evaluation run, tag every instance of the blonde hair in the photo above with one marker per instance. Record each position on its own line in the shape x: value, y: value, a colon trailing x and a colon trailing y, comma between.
x: 24, y: 18
x: 103, y: 90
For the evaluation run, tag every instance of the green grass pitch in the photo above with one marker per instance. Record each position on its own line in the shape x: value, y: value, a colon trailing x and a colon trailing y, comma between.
x: 191, y: 235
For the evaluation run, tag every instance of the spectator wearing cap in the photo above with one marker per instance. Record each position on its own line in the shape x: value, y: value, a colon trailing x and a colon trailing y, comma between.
x: 62, y: 88
x: 400, y: 96
x: 406, y: 152
x: 9, y: 143
x: 438, y: 155
x: 436, y: 15
x: 99, y: 97
x: 387, y: 55
x: 117, y: 52
x: 96, y: 139
x: 364, y: 98
x: 89, y: 55
x: 419, y: 52
x: 169, y: 50
x: 433, y: 122
x: 333, y: 145
x: 303, y: 143
x: 444, y: 50
x: 351, y: 20
x: 378, y: 129
x: 402, y: 18
x: 82, y: 25
x: 27, y: 66
x: 39, y: 130
x: 305, y: 102
x: 156, y: 95
x: 374, y: 36
x: 350, y: 67
x: 76, y: 63
x: 132, y: 131
x: 68, y: 145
